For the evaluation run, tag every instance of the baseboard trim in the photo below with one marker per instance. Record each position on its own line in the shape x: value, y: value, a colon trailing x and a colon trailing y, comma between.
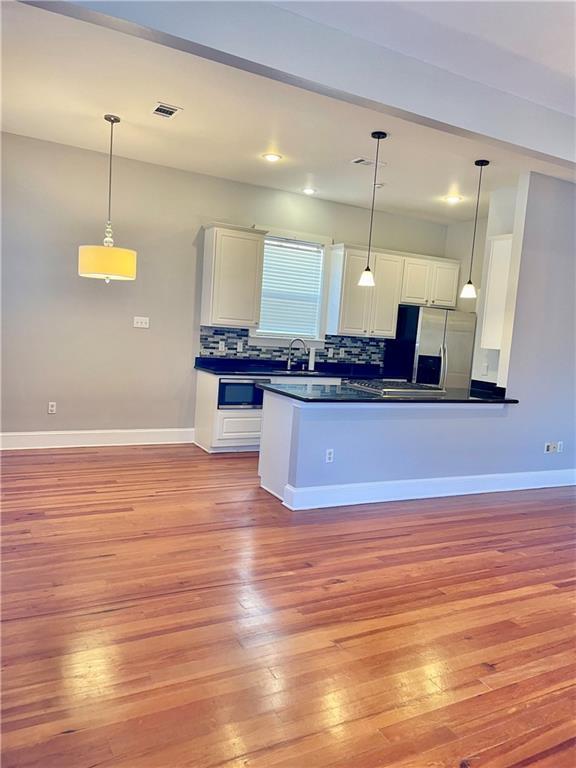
x: 11, y: 441
x: 228, y: 448
x: 316, y: 497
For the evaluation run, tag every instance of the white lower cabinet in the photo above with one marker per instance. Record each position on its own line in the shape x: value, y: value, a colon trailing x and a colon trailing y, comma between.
x: 220, y: 430
x: 238, y: 425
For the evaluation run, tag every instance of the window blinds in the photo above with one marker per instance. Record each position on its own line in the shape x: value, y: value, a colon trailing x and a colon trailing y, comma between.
x: 291, y: 288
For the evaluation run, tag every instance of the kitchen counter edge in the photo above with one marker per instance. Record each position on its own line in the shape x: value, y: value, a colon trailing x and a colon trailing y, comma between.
x: 298, y: 392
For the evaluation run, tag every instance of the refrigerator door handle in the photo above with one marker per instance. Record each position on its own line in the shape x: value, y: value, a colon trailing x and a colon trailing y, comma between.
x: 442, y: 353
x: 444, y: 366
x: 415, y: 368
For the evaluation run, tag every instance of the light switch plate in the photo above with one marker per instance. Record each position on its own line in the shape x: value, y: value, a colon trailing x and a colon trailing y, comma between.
x: 141, y: 322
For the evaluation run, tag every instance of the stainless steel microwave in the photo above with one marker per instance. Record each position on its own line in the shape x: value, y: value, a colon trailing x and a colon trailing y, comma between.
x: 240, y: 393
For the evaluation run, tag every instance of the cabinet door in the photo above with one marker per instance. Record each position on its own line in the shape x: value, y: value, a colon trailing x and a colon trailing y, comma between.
x: 444, y: 285
x: 416, y: 281
x: 243, y: 426
x: 238, y: 261
x: 388, y: 278
x: 355, y: 300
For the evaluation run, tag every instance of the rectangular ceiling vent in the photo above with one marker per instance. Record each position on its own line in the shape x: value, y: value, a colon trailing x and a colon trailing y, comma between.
x: 366, y: 161
x: 165, y: 110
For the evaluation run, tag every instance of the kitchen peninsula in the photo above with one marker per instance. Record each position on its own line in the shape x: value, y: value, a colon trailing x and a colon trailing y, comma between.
x: 331, y: 445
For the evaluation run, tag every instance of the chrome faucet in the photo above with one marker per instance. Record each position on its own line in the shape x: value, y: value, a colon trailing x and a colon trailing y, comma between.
x: 289, y: 363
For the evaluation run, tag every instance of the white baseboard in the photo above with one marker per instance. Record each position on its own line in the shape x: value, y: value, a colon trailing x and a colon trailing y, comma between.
x: 228, y: 448
x: 315, y: 497
x: 87, y: 437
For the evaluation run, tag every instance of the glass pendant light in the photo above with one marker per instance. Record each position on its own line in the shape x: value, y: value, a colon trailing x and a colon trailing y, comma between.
x: 367, y: 278
x: 107, y: 262
x: 468, y: 290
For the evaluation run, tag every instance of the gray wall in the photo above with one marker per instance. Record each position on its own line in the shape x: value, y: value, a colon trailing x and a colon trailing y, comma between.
x: 70, y: 339
x: 439, y: 441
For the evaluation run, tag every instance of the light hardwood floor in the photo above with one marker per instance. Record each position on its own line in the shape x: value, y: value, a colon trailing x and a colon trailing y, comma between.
x: 162, y: 611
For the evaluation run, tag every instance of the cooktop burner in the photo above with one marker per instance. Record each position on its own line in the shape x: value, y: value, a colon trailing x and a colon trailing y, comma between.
x: 385, y: 386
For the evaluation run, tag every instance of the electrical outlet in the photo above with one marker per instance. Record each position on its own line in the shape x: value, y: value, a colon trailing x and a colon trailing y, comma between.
x: 329, y: 455
x: 330, y: 352
x: 550, y: 447
x: 51, y: 407
x: 141, y: 322
x: 560, y: 446
x: 221, y: 346
x: 342, y: 352
x: 240, y: 346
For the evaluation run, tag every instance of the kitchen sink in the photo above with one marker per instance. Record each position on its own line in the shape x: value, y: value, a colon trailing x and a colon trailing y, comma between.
x: 292, y: 372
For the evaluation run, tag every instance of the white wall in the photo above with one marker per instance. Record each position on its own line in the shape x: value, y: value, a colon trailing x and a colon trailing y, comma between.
x: 500, y: 221
x: 71, y: 339
x: 262, y: 37
x: 415, y: 442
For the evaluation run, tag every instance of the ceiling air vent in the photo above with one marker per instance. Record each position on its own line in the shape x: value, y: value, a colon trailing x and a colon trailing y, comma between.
x: 366, y: 161
x: 165, y: 110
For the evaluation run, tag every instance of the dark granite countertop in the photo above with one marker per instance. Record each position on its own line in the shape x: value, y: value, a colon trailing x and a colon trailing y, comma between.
x: 322, y: 393
x: 233, y: 366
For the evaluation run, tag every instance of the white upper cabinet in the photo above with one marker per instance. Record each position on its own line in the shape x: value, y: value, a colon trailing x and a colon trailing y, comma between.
x: 362, y: 311
x: 232, y: 276
x: 354, y: 304
x: 444, y: 284
x: 385, y: 294
x: 430, y: 281
x: 416, y: 282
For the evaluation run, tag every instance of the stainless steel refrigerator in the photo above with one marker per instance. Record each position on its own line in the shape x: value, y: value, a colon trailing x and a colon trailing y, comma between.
x: 444, y: 347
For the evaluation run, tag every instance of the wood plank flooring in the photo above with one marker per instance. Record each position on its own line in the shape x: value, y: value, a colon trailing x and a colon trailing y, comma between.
x: 161, y: 611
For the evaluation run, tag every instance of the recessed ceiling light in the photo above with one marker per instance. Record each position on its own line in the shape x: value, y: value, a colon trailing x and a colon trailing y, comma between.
x: 309, y: 191
x: 453, y: 199
x: 272, y: 157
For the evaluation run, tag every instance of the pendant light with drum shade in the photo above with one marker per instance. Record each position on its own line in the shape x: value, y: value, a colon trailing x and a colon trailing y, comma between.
x: 469, y: 291
x: 107, y: 262
x: 367, y: 278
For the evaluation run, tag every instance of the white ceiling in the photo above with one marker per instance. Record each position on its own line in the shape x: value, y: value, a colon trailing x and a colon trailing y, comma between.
x: 526, y: 48
x: 60, y: 75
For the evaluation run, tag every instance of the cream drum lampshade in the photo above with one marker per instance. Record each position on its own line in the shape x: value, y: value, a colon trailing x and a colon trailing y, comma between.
x: 107, y: 261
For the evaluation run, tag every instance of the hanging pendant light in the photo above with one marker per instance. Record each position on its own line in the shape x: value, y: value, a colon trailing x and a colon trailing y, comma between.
x: 367, y: 278
x: 468, y: 290
x: 107, y: 261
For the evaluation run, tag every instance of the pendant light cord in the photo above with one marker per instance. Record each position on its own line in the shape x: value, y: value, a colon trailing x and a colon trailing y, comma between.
x: 110, y: 171
x: 373, y: 203
x: 475, y: 223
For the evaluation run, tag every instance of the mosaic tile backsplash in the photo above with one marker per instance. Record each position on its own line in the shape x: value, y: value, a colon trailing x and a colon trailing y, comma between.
x: 349, y: 349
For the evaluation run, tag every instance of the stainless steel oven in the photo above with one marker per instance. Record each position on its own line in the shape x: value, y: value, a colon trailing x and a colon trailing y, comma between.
x: 240, y: 393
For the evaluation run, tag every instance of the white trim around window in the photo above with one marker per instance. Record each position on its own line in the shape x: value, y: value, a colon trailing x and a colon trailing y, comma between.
x: 281, y: 340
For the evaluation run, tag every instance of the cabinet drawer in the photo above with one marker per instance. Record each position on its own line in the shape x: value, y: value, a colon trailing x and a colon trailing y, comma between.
x: 239, y: 426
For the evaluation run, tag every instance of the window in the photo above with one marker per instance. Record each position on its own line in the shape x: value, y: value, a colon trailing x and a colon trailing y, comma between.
x: 291, y: 288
